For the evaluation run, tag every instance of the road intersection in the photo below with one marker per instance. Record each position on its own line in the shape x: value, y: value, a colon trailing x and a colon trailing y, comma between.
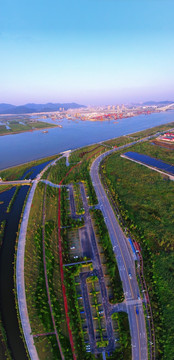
x: 126, y: 266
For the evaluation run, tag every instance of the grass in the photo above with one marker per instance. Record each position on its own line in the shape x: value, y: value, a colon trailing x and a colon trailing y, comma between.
x: 16, y: 127
x: 122, y: 183
x: 39, y: 311
x: 4, y: 350
x: 57, y: 172
x: 138, y: 135
x: 157, y: 152
x: 154, y: 130
x: 93, y: 298
x: 16, y: 172
x: 79, y: 173
x: 13, y: 199
x: 2, y: 229
x: 118, y: 141
x: 4, y: 188
x: 145, y: 199
x: 111, y: 264
x: 74, y: 313
x: 37, y: 301
x: 78, y: 200
x: 3, y: 129
x: 123, y: 349
x: 84, y: 153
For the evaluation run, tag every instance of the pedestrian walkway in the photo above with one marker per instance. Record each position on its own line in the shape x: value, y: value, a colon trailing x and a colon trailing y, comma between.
x: 20, y: 281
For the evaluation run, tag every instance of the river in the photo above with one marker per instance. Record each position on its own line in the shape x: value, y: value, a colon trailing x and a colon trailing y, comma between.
x: 19, y: 148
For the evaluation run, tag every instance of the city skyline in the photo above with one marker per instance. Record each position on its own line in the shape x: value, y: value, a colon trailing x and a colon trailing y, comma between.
x: 93, y: 53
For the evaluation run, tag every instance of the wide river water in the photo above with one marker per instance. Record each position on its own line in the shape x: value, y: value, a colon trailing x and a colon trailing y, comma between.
x: 19, y: 148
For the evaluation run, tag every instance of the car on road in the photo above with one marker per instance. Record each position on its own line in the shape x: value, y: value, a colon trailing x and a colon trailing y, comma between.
x: 137, y: 310
x: 130, y: 275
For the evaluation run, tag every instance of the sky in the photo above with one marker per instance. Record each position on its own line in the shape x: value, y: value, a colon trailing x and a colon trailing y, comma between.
x: 91, y: 52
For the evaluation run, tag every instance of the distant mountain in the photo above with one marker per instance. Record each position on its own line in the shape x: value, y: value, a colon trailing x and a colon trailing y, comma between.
x: 158, y: 102
x: 30, y: 108
x: 4, y: 107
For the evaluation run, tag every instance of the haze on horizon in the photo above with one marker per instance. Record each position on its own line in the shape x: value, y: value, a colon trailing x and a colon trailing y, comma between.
x: 89, y: 52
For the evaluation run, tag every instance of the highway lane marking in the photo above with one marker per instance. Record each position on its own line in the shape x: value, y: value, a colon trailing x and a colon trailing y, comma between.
x: 129, y: 283
x: 138, y: 332
x: 119, y: 248
x: 125, y: 266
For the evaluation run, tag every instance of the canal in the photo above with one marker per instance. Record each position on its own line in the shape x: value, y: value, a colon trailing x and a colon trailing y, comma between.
x: 7, y: 253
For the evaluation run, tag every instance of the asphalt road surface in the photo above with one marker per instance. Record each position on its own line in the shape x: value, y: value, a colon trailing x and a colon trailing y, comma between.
x: 126, y: 267
x: 99, y: 272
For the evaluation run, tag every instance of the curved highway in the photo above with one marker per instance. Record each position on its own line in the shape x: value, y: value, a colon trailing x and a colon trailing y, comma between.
x: 126, y: 266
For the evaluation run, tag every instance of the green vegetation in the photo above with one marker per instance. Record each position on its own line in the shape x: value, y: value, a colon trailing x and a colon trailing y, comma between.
x: 4, y: 188
x: 74, y: 312
x: 13, y: 199
x: 123, y: 140
x: 57, y: 172
x: 80, y: 172
x: 153, y: 131
x: 157, y: 152
x: 4, y: 350
x: 138, y: 135
x: 145, y: 200
x: 16, y: 172
x: 84, y: 153
x: 111, y: 264
x: 66, y: 219
x: 15, y: 127
x: 39, y: 312
x: 2, y: 229
x: 37, y: 301
x: 67, y: 224
x: 123, y: 349
x: 78, y: 200
x: 100, y: 327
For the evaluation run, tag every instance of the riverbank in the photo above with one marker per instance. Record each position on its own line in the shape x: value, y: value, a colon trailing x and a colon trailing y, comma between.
x: 74, y: 158
x: 26, y: 147
x: 42, y: 127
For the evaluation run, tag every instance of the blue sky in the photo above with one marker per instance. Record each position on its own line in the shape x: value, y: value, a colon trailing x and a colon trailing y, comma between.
x: 87, y: 51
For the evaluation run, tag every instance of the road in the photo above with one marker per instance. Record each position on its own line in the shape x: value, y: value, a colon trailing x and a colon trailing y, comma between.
x: 16, y: 182
x: 171, y: 177
x: 20, y: 281
x: 125, y: 263
x: 99, y: 273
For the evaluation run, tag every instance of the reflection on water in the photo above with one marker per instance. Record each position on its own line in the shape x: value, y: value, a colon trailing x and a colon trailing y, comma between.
x: 24, y: 147
x: 148, y: 160
x: 7, y: 300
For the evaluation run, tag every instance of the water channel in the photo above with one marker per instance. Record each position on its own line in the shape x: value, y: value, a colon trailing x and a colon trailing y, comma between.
x: 7, y: 299
x: 148, y: 160
x: 20, y: 148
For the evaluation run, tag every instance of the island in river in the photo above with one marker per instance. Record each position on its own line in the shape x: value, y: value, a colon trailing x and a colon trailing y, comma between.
x: 15, y: 125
